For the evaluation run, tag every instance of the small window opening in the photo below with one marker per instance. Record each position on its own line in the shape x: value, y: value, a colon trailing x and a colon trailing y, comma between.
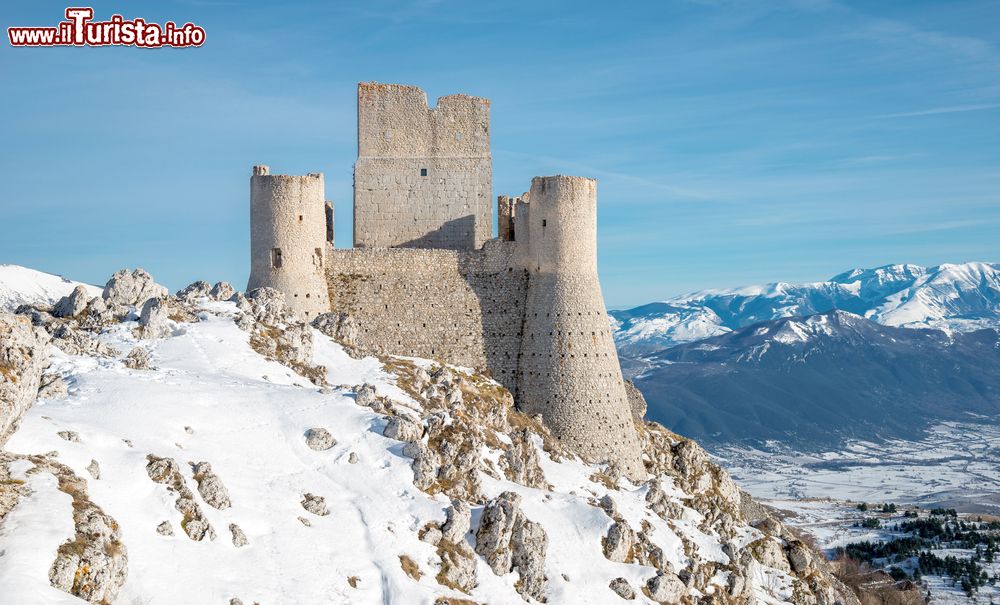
x: 543, y: 222
x: 300, y: 218
x: 423, y: 172
x: 275, y: 258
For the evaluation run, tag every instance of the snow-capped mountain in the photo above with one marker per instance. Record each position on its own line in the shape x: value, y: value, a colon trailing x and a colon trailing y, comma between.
x: 20, y: 286
x: 950, y: 297
x: 221, y: 450
x: 815, y: 381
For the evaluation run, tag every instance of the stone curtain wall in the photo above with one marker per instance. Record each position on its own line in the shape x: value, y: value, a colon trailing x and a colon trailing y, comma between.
x: 462, y: 307
x: 569, y: 370
x: 288, y: 213
x: 424, y: 177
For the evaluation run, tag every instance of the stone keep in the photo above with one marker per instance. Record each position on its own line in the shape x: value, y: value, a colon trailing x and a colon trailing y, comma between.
x: 424, y: 177
x: 568, y: 368
x: 288, y: 235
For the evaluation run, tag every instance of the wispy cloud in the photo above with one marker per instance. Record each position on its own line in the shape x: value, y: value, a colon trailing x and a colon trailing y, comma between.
x: 939, y: 110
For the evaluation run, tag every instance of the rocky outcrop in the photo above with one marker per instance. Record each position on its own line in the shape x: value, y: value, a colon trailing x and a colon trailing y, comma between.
x: 222, y: 291
x: 73, y: 304
x: 22, y: 360
x: 93, y: 565
x: 520, y: 461
x: 340, y: 327
x: 508, y: 541
x: 154, y: 319
x: 195, y: 292
x: 210, y: 486
x: 636, y: 401
x: 132, y: 289
x: 73, y: 341
x: 167, y: 472
x: 277, y: 333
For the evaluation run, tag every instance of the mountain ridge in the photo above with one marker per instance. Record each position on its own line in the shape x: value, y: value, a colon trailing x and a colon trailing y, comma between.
x: 952, y: 297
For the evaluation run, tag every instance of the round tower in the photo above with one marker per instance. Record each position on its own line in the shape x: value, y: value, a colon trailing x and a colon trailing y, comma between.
x: 288, y: 238
x: 569, y: 370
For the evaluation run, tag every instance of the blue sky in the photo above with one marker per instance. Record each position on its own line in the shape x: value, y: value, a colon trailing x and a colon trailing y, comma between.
x: 734, y: 142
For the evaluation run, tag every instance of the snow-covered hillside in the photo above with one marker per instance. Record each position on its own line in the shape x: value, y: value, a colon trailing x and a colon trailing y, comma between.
x: 20, y: 285
x: 958, y: 298
x: 183, y: 461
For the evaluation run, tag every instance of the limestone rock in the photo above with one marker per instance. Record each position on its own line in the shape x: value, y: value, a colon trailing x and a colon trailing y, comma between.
x: 94, y: 469
x: 315, y: 504
x: 319, y: 439
x: 607, y: 504
x: 529, y: 544
x: 496, y: 526
x: 267, y: 305
x: 132, y: 289
x: 430, y: 534
x: 458, y: 523
x: 403, y: 429
x: 426, y: 464
x: 167, y: 472
x: 221, y: 291
x: 78, y: 342
x: 769, y: 552
x: 195, y: 291
x: 799, y: 556
x: 70, y: 436
x: 665, y: 587
x: 508, y: 540
x: 165, y: 529
x: 622, y: 588
x: 154, y: 321
x: 94, y: 564
x: 22, y: 359
x: 458, y: 568
x: 210, y: 486
x: 520, y: 461
x: 53, y: 386
x: 239, y: 538
x: 137, y: 359
x: 619, y: 542
x: 365, y: 395
x: 340, y: 327
x: 73, y: 304
x: 636, y: 401
x: 352, y: 459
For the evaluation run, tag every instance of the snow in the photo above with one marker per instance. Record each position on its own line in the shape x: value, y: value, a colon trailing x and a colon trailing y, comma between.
x: 952, y: 297
x: 247, y: 417
x: 20, y: 285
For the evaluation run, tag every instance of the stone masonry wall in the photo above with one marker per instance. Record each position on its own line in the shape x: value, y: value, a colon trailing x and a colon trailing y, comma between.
x: 288, y: 238
x: 569, y: 370
x: 424, y: 176
x: 464, y: 307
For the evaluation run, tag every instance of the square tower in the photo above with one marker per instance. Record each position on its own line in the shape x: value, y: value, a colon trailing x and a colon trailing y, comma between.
x: 424, y: 176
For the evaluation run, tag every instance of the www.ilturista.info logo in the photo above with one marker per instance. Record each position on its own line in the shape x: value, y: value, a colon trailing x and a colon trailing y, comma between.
x: 80, y: 29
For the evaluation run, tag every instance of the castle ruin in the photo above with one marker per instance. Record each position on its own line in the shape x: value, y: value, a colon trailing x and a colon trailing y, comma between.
x: 425, y: 277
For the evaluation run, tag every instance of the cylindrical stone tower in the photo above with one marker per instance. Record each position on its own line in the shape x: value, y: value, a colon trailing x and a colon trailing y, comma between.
x: 288, y: 238
x: 569, y: 370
